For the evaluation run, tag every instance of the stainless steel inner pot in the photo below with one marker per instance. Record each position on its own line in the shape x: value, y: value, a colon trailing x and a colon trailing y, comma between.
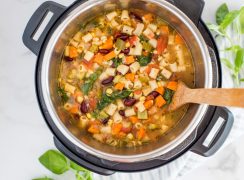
x: 71, y: 24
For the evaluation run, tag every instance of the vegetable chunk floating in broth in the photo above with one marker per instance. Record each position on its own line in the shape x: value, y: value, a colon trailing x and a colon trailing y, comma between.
x: 118, y: 75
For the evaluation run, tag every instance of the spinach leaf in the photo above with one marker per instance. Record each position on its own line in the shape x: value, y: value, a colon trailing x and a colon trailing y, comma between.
x: 241, y: 20
x: 106, y: 100
x: 63, y: 95
x: 229, y: 18
x: 239, y: 60
x: 88, y: 85
x: 144, y: 60
x: 117, y: 62
x: 44, y: 178
x: 168, y: 95
x: 143, y: 38
x: 54, y: 161
x: 221, y: 12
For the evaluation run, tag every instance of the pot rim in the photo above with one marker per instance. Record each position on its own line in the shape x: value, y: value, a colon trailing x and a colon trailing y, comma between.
x: 112, y: 157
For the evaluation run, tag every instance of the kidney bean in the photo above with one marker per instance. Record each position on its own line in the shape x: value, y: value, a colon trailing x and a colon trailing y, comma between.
x: 122, y: 36
x: 84, y: 107
x: 126, y: 51
x: 136, y: 16
x: 103, y: 51
x: 108, y: 80
x: 154, y: 94
x: 129, y: 101
x: 105, y: 121
x: 67, y: 58
x: 122, y: 112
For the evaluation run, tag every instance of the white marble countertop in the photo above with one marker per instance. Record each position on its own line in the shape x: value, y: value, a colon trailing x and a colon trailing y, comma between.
x: 24, y: 135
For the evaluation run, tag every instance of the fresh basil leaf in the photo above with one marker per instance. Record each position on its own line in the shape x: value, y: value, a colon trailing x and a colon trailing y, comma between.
x: 63, y: 95
x: 76, y: 167
x: 239, y: 60
x: 44, y: 178
x: 241, y: 19
x: 221, y: 12
x: 144, y: 60
x: 227, y: 63
x: 88, y: 85
x: 229, y: 18
x: 143, y: 38
x: 168, y: 95
x: 116, y: 62
x: 215, y: 28
x: 121, y: 95
x: 54, y: 161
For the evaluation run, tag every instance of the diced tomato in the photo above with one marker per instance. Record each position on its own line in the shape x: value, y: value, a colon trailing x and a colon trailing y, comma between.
x: 132, y: 40
x: 93, y: 103
x: 162, y: 44
x: 88, y: 64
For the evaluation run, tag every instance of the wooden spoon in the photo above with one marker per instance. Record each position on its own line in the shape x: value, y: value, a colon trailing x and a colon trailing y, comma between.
x: 215, y: 96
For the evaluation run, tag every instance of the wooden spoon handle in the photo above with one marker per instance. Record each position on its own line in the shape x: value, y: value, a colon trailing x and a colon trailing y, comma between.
x: 216, y: 97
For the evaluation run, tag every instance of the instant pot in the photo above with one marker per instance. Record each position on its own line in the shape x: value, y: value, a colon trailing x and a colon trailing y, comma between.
x: 202, y: 130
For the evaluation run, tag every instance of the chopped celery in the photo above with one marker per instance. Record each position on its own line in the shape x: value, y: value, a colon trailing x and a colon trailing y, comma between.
x: 142, y: 115
x: 120, y: 44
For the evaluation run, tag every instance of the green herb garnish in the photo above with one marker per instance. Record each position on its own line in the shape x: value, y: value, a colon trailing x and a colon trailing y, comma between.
x: 143, y: 38
x: 168, y: 95
x: 117, y: 62
x: 89, y: 82
x: 225, y: 18
x: 144, y: 60
x: 106, y: 100
x: 57, y: 163
x: 62, y: 94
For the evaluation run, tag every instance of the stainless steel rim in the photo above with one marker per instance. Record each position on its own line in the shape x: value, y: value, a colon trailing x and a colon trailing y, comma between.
x: 120, y: 158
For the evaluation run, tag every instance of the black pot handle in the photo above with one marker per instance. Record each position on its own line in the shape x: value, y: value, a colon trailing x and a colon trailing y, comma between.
x: 192, y: 8
x: 80, y: 161
x: 36, y: 20
x: 207, y: 146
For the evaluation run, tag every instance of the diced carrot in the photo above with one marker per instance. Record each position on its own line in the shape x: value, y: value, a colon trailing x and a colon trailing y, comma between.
x: 88, y: 64
x: 121, y: 135
x: 119, y: 86
x: 129, y: 60
x: 98, y: 58
x: 77, y: 93
x: 73, y: 52
x: 116, y: 127
x: 108, y: 44
x: 164, y: 30
x: 172, y: 85
x: 137, y: 92
x: 74, y: 109
x: 130, y: 76
x: 109, y: 56
x: 159, y: 101
x: 178, y: 39
x: 148, y: 104
x: 94, y: 129
x: 160, y: 90
x: 133, y: 119
x: 140, y: 133
x: 156, y: 66
x: 148, y: 17
x: 148, y: 70
x: 162, y: 44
